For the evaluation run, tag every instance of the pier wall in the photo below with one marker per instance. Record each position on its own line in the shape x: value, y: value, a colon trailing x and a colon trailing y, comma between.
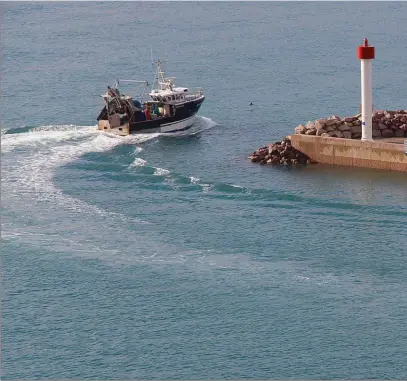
x: 349, y: 152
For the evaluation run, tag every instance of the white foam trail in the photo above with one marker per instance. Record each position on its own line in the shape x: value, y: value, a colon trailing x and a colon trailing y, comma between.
x: 57, y: 145
x: 209, y: 123
x: 136, y: 151
x: 136, y: 138
x: 194, y: 180
x: 61, y: 223
x: 138, y: 162
x: 34, y: 171
x: 161, y: 172
x: 44, y: 136
x: 61, y: 127
x: 206, y: 187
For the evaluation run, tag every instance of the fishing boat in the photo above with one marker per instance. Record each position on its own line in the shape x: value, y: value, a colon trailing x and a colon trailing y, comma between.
x: 168, y: 108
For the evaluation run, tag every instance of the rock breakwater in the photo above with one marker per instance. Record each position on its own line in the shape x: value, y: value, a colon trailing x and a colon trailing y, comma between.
x: 385, y: 124
x: 280, y: 153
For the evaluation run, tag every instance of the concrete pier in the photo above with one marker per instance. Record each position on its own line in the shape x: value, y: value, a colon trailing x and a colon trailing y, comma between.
x: 386, y: 154
x: 381, y: 134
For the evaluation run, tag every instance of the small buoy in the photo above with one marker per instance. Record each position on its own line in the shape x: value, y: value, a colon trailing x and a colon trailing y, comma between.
x: 251, y: 104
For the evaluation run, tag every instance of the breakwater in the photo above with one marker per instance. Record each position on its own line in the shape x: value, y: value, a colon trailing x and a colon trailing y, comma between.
x: 325, y: 141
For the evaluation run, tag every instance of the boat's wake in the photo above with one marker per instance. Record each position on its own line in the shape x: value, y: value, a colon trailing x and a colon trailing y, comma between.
x: 51, y: 217
x: 32, y: 156
x: 47, y: 135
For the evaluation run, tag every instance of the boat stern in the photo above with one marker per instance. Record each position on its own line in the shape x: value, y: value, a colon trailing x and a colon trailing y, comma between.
x: 113, y: 126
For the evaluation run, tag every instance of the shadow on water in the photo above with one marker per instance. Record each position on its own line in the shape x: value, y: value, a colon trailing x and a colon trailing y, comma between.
x: 369, y: 175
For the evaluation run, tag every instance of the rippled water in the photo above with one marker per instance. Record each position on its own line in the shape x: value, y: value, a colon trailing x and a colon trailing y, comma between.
x: 174, y: 257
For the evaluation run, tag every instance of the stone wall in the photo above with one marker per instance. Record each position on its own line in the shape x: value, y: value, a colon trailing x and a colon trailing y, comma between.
x: 385, y: 124
x: 355, y: 153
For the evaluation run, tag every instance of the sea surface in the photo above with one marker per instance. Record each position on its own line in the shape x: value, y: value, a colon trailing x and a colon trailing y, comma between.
x: 174, y: 257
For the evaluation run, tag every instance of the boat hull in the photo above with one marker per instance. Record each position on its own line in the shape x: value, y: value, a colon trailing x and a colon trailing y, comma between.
x: 183, y: 119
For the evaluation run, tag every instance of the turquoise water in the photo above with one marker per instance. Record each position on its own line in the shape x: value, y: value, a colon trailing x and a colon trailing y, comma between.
x: 155, y: 257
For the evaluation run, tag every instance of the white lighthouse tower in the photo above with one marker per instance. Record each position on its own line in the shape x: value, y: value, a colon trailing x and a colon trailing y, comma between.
x: 366, y: 54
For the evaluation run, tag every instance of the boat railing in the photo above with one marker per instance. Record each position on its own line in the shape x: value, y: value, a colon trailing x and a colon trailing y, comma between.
x: 194, y: 96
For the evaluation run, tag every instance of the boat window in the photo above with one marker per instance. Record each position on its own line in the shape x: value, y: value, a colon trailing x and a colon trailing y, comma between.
x: 173, y: 98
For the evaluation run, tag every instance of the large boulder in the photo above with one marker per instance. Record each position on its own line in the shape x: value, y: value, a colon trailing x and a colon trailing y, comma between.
x: 350, y: 118
x: 356, y: 129
x: 343, y: 127
x: 331, y: 122
x: 387, y: 133
x: 336, y: 134
x: 320, y: 123
x: 347, y: 134
x: 301, y: 129
x: 376, y: 133
x: 310, y: 125
x: 311, y: 131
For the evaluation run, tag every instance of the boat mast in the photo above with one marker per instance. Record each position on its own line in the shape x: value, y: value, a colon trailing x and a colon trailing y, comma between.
x: 160, y: 81
x: 161, y: 76
x: 153, y: 86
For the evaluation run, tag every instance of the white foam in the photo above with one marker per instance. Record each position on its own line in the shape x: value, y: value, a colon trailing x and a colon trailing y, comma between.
x: 61, y: 127
x: 33, y: 172
x: 138, y: 162
x: 208, y: 122
x: 29, y: 190
x: 206, y: 187
x: 45, y: 135
x: 137, y: 138
x: 161, y: 172
x: 45, y: 148
x: 136, y: 151
x: 194, y: 180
